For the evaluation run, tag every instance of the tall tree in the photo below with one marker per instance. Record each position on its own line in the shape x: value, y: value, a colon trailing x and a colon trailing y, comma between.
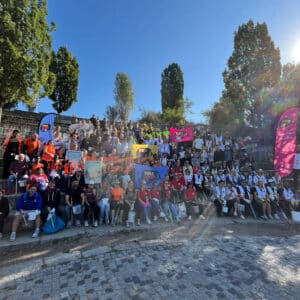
x: 172, y: 86
x: 111, y: 113
x: 25, y: 52
x: 66, y: 69
x: 253, y: 69
x: 124, y: 96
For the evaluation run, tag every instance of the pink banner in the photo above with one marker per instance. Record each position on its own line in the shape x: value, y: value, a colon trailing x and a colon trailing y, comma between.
x: 285, y: 145
x: 179, y: 135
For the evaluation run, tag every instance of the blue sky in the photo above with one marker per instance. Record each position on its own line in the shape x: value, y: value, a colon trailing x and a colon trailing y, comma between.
x: 142, y: 37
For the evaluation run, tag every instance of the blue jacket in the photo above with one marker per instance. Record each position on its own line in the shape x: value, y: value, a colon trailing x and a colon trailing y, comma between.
x: 26, y: 202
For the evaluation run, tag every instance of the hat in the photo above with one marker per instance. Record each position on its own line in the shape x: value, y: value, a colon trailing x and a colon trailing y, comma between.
x: 270, y: 180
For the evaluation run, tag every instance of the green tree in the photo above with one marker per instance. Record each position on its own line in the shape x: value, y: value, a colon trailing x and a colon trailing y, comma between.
x: 111, y: 113
x: 172, y: 87
x: 253, y: 69
x: 124, y: 96
x: 25, y: 52
x: 66, y: 69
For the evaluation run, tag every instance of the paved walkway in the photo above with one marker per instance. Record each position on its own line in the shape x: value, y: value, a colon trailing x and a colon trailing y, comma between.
x: 222, y: 266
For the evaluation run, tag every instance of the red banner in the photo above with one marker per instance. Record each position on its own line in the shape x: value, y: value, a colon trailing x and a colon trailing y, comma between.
x: 179, y: 135
x: 285, y: 145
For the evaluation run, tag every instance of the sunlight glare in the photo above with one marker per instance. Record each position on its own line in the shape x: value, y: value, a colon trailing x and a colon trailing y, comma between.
x: 296, y: 52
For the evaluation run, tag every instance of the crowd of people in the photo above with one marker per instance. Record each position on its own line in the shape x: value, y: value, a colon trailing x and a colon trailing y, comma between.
x: 212, y: 168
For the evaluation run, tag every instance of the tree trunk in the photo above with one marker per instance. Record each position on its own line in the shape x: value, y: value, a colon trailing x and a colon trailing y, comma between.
x: 0, y: 114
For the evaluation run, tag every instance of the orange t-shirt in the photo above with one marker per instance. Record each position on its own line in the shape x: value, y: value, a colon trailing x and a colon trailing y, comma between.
x: 49, y: 149
x: 32, y: 145
x: 117, y: 193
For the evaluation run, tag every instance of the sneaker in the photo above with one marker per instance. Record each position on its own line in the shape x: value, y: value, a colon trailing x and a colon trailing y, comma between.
x: 86, y: 223
x: 148, y: 221
x: 270, y: 217
x: 138, y: 222
x: 166, y: 219
x: 235, y: 214
x: 36, y: 233
x: 95, y: 223
x: 12, y: 237
x: 127, y: 224
x: 78, y: 223
x: 155, y: 218
x: 201, y: 217
x: 276, y: 217
x: 189, y: 218
x: 264, y: 217
x: 1, y: 235
x: 69, y: 224
x: 242, y: 217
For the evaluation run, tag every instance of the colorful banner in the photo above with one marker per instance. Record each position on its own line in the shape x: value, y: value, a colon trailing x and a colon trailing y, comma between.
x: 46, y: 128
x: 285, y: 145
x: 74, y: 157
x: 143, y: 150
x: 117, y: 165
x: 92, y: 172
x: 149, y: 174
x: 179, y: 135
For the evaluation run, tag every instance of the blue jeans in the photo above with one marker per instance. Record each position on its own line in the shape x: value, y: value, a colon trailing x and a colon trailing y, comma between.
x: 68, y: 211
x: 147, y: 210
x: 11, y: 181
x: 168, y: 206
x: 104, y: 210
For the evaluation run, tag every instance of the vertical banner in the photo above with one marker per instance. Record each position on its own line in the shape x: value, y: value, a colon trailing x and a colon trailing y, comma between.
x: 149, y: 174
x: 179, y: 135
x: 46, y: 128
x: 285, y: 145
x: 92, y: 172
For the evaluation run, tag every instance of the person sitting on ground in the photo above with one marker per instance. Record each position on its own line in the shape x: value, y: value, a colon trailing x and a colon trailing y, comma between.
x: 90, y: 203
x: 190, y: 200
x: 4, y: 211
x: 220, y: 193
x: 272, y: 195
x: 51, y: 200
x: 232, y: 199
x: 129, y: 204
x: 260, y: 197
x: 245, y: 196
x: 75, y: 201
x: 144, y: 205
x: 286, y: 199
x: 103, y: 202
x: 29, y: 208
x: 155, y: 201
x: 167, y: 201
x: 116, y: 203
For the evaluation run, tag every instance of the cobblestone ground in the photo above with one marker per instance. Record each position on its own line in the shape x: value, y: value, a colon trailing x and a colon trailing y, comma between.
x: 221, y: 267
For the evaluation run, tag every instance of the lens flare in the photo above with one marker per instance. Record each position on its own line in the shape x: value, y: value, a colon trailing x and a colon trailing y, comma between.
x: 296, y: 53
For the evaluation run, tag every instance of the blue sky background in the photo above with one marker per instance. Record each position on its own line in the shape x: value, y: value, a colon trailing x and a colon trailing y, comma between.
x: 142, y: 37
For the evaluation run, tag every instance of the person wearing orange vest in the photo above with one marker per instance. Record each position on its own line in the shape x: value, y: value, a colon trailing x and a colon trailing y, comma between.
x: 12, y: 146
x: 48, y: 155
